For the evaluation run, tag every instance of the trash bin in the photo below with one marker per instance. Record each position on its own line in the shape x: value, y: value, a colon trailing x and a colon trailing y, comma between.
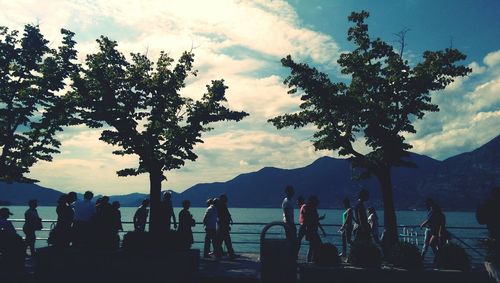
x: 277, y: 257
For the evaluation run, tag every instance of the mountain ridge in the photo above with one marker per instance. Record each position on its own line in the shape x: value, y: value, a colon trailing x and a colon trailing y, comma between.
x: 458, y: 183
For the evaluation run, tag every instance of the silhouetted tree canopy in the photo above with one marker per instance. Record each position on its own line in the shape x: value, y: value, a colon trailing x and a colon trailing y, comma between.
x: 141, y: 111
x: 385, y: 94
x: 32, y: 107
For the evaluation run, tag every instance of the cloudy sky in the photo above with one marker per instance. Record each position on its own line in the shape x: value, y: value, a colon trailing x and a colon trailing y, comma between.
x: 243, y: 42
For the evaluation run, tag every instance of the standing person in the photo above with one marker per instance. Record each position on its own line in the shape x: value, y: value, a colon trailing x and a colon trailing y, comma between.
x: 85, y: 211
x: 288, y: 219
x: 116, y: 222
x: 32, y: 223
x: 487, y: 214
x: 311, y: 223
x: 302, y: 230
x: 347, y: 226
x: 12, y: 247
x: 141, y: 216
x: 224, y: 227
x: 210, y: 223
x: 186, y: 222
x: 373, y: 222
x: 168, y: 211
x: 60, y: 236
x: 362, y: 229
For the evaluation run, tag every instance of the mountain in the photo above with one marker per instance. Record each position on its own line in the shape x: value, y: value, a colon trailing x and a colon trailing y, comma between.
x: 21, y: 193
x: 458, y: 183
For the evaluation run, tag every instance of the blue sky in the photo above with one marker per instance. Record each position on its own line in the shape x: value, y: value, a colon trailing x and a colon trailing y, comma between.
x: 242, y: 42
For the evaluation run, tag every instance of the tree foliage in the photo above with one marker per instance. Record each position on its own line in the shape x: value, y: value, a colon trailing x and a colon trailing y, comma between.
x: 384, y: 96
x: 32, y: 109
x: 141, y: 110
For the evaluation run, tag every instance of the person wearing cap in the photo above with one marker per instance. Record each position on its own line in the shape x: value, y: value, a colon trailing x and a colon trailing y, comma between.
x: 6, y: 225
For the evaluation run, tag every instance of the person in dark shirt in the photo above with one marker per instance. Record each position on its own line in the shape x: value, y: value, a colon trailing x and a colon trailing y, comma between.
x: 347, y: 226
x: 362, y: 229
x: 60, y: 236
x: 435, y: 223
x: 168, y: 212
x: 224, y: 227
x: 186, y: 222
x: 141, y: 216
x: 32, y: 223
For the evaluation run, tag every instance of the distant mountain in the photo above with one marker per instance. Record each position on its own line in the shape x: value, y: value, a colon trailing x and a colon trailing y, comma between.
x: 459, y: 183
x: 20, y: 194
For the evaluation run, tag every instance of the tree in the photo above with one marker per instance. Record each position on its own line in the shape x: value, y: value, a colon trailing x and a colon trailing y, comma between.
x: 32, y: 109
x: 385, y: 94
x: 143, y: 113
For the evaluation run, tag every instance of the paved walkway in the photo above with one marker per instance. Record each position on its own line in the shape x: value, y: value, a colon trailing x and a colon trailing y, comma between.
x: 244, y: 268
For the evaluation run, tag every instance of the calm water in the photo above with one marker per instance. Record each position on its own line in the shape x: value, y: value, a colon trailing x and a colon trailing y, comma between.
x: 250, y: 242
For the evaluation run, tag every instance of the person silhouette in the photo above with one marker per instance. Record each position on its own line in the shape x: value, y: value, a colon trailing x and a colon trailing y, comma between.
x: 186, y: 222
x: 168, y: 211
x: 361, y: 230
x: 224, y: 227
x: 373, y: 222
x: 347, y: 226
x: 141, y: 216
x: 60, y: 236
x: 12, y: 248
x: 302, y: 230
x: 312, y: 223
x: 85, y: 211
x: 32, y: 223
x: 210, y: 223
x: 287, y: 207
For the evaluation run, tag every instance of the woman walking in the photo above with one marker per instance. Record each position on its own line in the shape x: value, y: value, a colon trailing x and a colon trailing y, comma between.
x: 311, y: 224
x: 32, y: 223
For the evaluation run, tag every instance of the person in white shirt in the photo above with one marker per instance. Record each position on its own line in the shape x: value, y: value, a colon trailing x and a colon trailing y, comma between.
x: 210, y: 223
x: 84, y: 213
x: 287, y: 207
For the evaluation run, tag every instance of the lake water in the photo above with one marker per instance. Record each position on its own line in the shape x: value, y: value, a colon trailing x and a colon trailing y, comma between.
x: 246, y: 237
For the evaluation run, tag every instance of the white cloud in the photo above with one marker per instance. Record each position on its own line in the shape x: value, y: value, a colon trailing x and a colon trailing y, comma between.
x: 492, y: 58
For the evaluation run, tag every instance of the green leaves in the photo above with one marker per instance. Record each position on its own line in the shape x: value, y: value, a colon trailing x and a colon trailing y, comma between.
x: 140, y: 103
x: 31, y: 73
x: 383, y: 96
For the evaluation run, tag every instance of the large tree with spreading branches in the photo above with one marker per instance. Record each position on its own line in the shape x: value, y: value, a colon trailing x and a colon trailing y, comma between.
x: 139, y: 106
x: 384, y: 96
x: 33, y: 105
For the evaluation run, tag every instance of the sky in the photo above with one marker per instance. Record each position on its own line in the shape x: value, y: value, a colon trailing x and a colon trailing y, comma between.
x: 243, y: 42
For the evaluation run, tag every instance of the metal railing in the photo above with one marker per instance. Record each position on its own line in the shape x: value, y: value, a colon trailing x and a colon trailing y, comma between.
x: 245, y: 236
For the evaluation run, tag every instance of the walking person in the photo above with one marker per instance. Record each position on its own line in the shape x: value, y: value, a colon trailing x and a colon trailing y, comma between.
x: 32, y: 223
x: 141, y: 216
x: 210, y: 223
x: 186, y: 222
x: 373, y: 222
x: 288, y: 219
x: 435, y: 227
x: 361, y: 230
x: 223, y: 229
x: 347, y: 226
x: 302, y: 230
x: 312, y: 223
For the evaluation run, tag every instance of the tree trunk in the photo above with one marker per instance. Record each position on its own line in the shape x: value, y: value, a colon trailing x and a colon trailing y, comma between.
x: 390, y: 223
x: 155, y: 179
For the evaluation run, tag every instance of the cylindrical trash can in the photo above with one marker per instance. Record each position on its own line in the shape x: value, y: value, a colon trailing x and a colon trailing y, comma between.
x: 277, y: 257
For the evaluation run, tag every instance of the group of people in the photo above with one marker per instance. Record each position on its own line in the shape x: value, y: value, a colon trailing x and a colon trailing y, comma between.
x: 355, y: 222
x: 358, y: 223
x: 85, y: 222
x: 217, y: 222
